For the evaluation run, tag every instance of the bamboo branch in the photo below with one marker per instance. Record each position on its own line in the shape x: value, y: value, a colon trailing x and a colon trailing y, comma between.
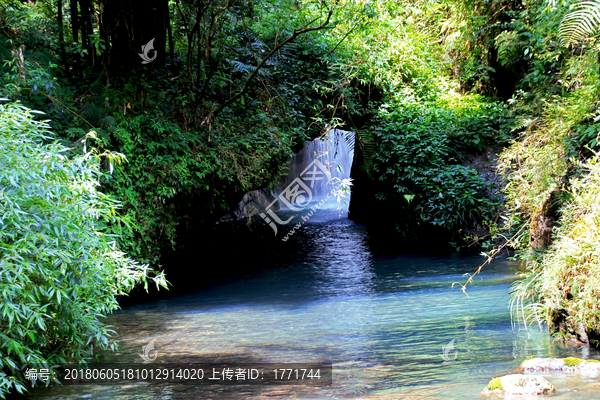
x: 490, y: 258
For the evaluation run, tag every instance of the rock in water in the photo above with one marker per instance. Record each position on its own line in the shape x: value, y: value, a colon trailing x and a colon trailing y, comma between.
x: 519, y: 384
x: 590, y: 368
x: 544, y: 364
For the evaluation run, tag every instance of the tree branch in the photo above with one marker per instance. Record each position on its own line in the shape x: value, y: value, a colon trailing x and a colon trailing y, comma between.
x: 297, y: 32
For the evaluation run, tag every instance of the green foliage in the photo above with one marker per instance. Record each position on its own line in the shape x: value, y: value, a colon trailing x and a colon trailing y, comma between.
x: 27, y: 62
x: 184, y: 164
x: 581, y: 21
x: 367, y: 147
x: 546, y: 169
x: 59, y: 271
x: 25, y: 24
x: 393, y: 46
x: 180, y: 167
x: 419, y: 152
x: 470, y: 31
x: 569, y: 278
x: 177, y: 174
x: 457, y: 196
x: 501, y: 45
x: 534, y: 167
x: 556, y: 129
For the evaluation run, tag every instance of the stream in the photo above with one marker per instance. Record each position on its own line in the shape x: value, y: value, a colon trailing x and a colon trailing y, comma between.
x: 382, y: 321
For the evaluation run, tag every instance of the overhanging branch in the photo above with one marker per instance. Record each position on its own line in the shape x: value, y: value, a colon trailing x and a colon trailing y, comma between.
x: 297, y: 32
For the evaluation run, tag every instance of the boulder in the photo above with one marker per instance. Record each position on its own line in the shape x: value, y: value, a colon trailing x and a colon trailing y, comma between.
x: 544, y: 364
x: 252, y: 203
x: 570, y: 364
x: 519, y: 384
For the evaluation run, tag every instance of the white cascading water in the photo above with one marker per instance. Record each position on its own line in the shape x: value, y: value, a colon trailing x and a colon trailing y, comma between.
x: 316, y: 172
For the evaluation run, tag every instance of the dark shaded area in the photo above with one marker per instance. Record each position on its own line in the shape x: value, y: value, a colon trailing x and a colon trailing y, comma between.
x: 384, y: 238
x: 234, y: 250
x: 211, y: 254
x: 505, y: 78
x: 566, y: 330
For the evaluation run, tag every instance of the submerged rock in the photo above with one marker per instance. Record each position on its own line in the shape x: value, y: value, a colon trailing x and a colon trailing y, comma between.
x: 519, y: 384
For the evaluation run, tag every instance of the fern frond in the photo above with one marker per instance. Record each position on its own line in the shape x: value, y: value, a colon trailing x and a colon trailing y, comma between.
x: 259, y: 46
x: 368, y: 148
x: 505, y: 43
x: 246, y: 68
x: 240, y: 66
x: 582, y: 21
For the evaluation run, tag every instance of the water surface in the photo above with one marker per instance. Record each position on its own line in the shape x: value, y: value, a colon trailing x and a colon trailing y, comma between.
x: 381, y: 320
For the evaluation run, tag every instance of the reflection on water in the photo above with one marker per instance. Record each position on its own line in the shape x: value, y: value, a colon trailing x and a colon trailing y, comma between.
x: 382, y: 321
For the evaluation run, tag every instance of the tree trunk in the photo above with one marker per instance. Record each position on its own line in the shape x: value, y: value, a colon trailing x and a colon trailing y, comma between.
x: 85, y: 20
x: 75, y: 26
x: 169, y: 30
x: 75, y: 21
x: 104, y: 33
x: 132, y: 24
x: 89, y: 25
x: 61, y: 32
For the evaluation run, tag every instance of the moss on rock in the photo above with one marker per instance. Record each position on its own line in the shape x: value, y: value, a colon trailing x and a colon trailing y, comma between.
x: 494, y: 384
x: 572, y: 361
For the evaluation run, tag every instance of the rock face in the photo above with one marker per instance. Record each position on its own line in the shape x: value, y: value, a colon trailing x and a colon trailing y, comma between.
x: 590, y: 368
x: 571, y: 332
x: 540, y: 230
x: 519, y: 384
x: 252, y: 203
x: 486, y: 164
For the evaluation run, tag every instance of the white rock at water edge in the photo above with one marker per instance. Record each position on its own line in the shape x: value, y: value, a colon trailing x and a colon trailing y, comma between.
x: 519, y: 384
x: 586, y: 368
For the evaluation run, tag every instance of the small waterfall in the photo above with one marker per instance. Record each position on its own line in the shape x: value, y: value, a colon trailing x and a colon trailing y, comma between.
x: 316, y: 171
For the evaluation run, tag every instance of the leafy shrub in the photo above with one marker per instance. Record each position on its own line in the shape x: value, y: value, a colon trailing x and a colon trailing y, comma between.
x: 544, y: 171
x: 570, y: 273
x: 59, y: 273
x: 418, y: 154
x: 27, y: 64
x: 457, y: 196
x: 558, y: 131
x: 172, y: 173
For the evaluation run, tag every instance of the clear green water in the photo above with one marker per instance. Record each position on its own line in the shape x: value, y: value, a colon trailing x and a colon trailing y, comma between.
x: 381, y: 320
